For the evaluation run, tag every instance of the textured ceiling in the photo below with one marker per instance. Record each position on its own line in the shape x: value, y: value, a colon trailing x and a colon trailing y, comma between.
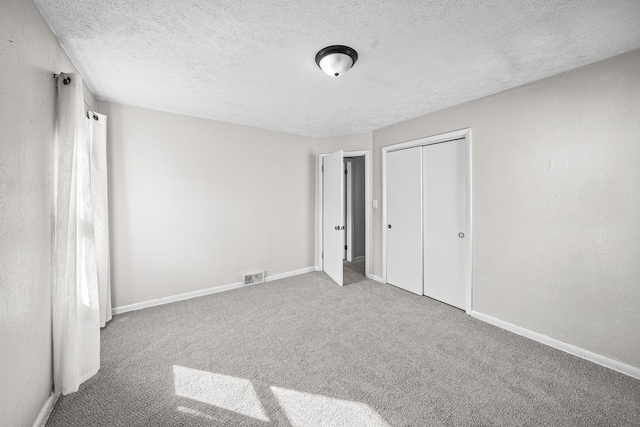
x: 252, y: 62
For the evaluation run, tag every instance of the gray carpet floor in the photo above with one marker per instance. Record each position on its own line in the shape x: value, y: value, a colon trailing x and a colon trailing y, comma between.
x: 304, y: 352
x: 353, y: 271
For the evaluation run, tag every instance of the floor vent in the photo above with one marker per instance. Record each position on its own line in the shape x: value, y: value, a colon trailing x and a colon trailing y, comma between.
x: 254, y: 277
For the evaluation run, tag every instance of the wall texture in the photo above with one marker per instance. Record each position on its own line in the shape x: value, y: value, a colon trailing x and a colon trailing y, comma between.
x: 556, y: 173
x: 29, y: 55
x: 195, y: 202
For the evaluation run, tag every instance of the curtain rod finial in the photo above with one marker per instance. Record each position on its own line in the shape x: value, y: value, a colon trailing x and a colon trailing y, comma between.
x: 65, y: 79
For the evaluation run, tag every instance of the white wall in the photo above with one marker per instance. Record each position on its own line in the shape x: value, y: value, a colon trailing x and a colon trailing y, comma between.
x: 556, y: 203
x: 196, y: 202
x: 29, y: 56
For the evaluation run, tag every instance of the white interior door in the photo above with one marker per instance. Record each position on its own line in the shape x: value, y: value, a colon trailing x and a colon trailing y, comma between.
x: 445, y: 222
x: 333, y: 215
x: 404, y: 219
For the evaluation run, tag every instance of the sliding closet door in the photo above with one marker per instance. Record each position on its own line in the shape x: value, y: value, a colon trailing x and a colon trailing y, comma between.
x: 404, y: 219
x: 445, y: 184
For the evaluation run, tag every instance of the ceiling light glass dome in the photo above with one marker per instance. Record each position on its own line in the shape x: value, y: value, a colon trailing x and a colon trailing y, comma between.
x: 336, y: 60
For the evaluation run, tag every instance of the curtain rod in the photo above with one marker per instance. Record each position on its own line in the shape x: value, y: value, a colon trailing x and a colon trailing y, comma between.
x: 66, y: 80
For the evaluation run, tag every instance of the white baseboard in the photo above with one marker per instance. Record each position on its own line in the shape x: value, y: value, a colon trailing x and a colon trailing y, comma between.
x: 175, y: 298
x: 599, y: 359
x: 203, y: 292
x: 43, y: 416
x: 318, y: 268
x: 290, y: 274
x: 376, y: 278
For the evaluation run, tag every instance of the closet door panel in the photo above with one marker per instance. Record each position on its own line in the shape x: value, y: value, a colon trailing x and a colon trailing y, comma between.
x: 445, y: 222
x: 404, y: 219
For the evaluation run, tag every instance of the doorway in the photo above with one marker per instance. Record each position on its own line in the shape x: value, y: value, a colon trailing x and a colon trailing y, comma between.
x: 344, y: 243
x: 355, y: 219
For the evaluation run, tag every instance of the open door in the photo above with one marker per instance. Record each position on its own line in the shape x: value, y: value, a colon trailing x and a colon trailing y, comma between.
x: 333, y: 215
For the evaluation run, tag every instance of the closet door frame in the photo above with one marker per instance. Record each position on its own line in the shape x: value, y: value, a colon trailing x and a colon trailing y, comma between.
x: 435, y: 139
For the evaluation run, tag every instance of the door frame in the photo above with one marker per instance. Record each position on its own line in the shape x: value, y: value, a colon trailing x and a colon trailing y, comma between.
x: 367, y: 191
x: 435, y: 139
x: 348, y: 209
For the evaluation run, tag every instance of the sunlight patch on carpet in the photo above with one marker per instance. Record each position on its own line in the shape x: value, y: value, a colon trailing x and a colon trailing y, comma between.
x: 226, y: 392
x: 314, y: 410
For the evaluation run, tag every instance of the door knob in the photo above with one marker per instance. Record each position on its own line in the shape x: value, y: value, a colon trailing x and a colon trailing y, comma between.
x: 343, y: 227
x: 461, y: 235
x: 389, y: 226
x: 337, y: 227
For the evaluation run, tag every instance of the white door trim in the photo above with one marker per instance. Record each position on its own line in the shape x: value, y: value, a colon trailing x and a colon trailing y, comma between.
x: 435, y: 139
x: 348, y: 209
x: 367, y: 184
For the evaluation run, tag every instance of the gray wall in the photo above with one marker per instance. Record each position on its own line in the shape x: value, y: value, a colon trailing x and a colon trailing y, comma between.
x: 29, y: 55
x: 359, y: 200
x: 556, y: 203
x: 196, y: 202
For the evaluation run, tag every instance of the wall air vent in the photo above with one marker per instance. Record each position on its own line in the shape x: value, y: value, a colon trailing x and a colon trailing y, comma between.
x: 253, y: 277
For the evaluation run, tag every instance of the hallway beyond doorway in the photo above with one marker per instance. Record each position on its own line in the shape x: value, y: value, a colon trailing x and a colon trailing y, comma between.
x: 354, y: 271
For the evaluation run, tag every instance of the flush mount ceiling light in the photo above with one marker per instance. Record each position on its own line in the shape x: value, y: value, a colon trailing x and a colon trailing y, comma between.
x: 336, y: 60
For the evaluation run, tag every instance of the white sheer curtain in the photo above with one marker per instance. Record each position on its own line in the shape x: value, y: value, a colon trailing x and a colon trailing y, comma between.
x: 76, y: 294
x: 99, y: 193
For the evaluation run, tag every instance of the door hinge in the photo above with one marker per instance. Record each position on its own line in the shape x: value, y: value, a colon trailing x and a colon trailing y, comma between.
x: 322, y: 168
x: 345, y: 247
x: 322, y: 255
